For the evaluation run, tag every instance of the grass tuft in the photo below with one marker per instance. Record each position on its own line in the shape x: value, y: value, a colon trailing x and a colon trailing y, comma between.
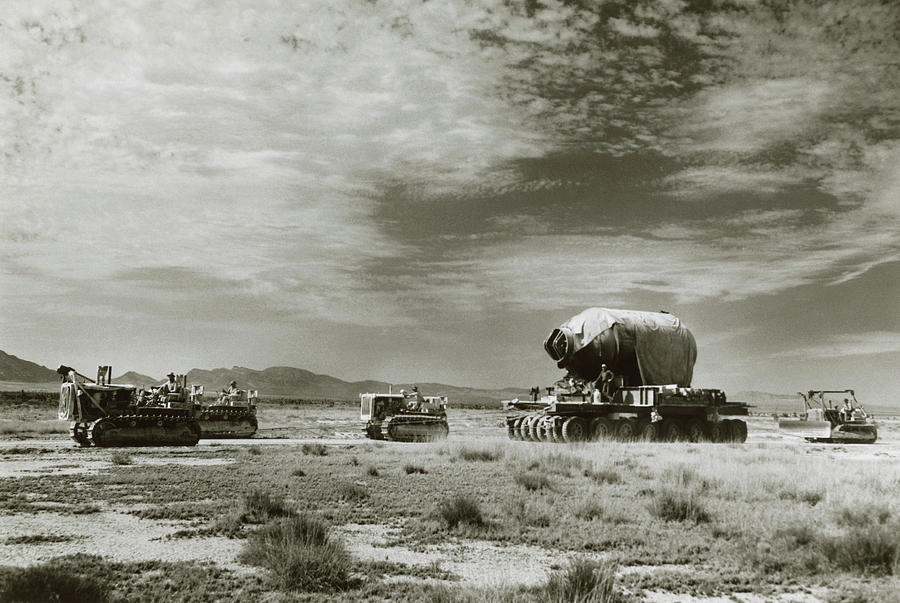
x: 120, y: 457
x: 298, y: 472
x: 372, y: 470
x: 480, y: 454
x: 460, y: 510
x: 254, y: 450
x: 314, y: 450
x: 410, y: 469
x: 49, y: 583
x: 351, y: 491
x: 679, y: 505
x: 531, y: 480
x: 301, y: 555
x: 587, y: 580
x: 260, y: 507
x: 871, y: 550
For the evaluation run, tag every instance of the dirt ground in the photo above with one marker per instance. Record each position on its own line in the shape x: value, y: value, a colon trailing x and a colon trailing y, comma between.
x: 111, y: 528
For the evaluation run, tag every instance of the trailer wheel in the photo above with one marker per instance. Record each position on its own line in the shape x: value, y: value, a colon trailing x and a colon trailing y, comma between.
x: 539, y: 429
x: 741, y: 431
x: 671, y: 431
x: 696, y: 430
x: 556, y: 424
x: 625, y: 430
x: 647, y: 431
x: 523, y: 427
x: 534, y: 433
x: 573, y: 429
x: 718, y: 432
x: 601, y: 429
x: 516, y: 429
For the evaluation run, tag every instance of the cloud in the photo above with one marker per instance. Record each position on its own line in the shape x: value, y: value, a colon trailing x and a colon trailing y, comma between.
x: 850, y: 344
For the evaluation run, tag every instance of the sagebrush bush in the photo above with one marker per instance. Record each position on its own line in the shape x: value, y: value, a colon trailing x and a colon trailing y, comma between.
x: 531, y: 480
x: 352, y: 492
x: 254, y: 450
x: 460, y: 509
x: 301, y: 555
x: 372, y: 470
x: 414, y: 469
x: 603, y: 476
x: 260, y: 507
x: 679, y: 505
x: 585, y: 580
x: 46, y: 582
x: 480, y: 454
x: 314, y: 449
x: 874, y: 549
x: 120, y: 457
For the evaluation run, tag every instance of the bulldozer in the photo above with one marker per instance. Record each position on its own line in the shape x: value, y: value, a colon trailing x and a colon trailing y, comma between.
x: 104, y: 414
x: 826, y: 422
x: 231, y: 415
x: 403, y: 418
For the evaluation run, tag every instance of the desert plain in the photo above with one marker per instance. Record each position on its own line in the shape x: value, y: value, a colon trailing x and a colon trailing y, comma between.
x: 309, y: 510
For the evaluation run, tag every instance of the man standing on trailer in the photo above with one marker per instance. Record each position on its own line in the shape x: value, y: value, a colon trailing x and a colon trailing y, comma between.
x: 604, y: 383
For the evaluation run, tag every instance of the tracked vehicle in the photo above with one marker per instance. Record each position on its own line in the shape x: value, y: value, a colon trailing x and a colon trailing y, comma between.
x: 404, y: 419
x: 104, y: 414
x: 645, y: 363
x: 229, y: 416
x: 823, y: 422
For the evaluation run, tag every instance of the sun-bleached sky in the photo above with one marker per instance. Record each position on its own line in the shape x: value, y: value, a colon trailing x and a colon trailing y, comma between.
x: 421, y: 191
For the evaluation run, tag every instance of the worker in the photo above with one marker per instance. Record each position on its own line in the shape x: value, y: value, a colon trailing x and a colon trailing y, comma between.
x: 847, y: 411
x: 417, y: 399
x: 604, y: 382
x: 171, y: 386
x: 233, y: 388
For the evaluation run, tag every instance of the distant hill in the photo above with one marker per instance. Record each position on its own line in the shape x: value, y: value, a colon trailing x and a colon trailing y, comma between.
x: 288, y: 381
x: 16, y: 369
x: 137, y: 379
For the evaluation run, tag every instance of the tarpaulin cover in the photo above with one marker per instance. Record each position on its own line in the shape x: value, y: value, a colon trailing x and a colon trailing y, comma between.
x: 665, y: 348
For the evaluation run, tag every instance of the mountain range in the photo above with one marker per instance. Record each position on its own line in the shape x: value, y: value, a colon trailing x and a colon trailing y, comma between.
x: 274, y: 381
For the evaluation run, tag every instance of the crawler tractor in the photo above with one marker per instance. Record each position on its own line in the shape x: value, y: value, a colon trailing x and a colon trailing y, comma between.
x: 404, y: 419
x: 848, y: 423
x: 104, y: 414
x: 646, y: 395
x: 230, y: 416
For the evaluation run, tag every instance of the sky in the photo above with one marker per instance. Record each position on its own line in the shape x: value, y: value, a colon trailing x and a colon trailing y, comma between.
x: 421, y: 191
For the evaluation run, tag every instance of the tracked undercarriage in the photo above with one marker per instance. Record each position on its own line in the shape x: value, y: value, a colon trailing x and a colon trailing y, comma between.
x: 396, y: 418
x: 829, y: 421
x: 230, y: 416
x: 103, y: 415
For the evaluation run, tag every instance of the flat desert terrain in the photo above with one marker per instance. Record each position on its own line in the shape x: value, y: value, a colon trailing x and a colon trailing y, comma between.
x: 309, y: 510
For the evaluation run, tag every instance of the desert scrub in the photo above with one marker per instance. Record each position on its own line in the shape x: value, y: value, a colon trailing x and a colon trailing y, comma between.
x: 410, y: 469
x: 603, y: 476
x: 372, y: 471
x: 681, y: 504
x: 49, y: 583
x: 259, y: 507
x: 460, y: 510
x: 38, y: 539
x: 531, y: 480
x: 873, y: 549
x: 314, y: 450
x: 584, y: 580
x: 480, y: 454
x: 351, y: 491
x: 120, y: 457
x: 300, y: 554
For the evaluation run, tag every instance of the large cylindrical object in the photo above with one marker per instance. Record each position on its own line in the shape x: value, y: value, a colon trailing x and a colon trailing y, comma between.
x: 647, y: 348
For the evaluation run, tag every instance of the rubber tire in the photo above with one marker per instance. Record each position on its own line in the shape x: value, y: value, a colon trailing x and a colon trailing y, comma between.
x: 647, y: 431
x: 538, y: 429
x: 626, y: 430
x: 671, y: 431
x: 516, y: 428
x: 523, y: 427
x: 602, y: 428
x: 717, y: 432
x: 574, y: 429
x: 741, y: 431
x: 696, y: 431
x: 533, y: 433
x: 556, y: 424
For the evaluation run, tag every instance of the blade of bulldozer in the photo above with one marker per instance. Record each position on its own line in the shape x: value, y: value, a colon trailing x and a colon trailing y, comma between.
x: 805, y: 429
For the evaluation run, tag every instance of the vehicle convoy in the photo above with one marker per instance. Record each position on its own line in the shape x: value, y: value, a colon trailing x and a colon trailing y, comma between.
x: 825, y: 421
x: 628, y: 377
x: 231, y: 415
x: 404, y: 418
x: 105, y: 414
